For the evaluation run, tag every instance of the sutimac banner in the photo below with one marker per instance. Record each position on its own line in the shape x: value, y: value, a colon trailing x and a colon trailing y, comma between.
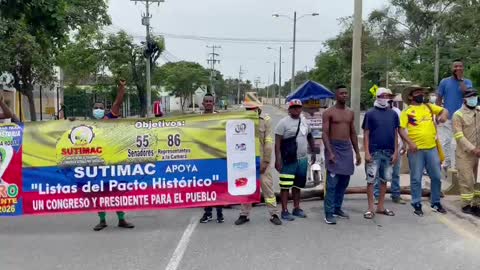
x: 129, y: 164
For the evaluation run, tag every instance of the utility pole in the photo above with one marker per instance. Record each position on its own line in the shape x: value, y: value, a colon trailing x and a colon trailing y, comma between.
x: 146, y: 21
x: 212, y: 61
x: 240, y: 73
x: 280, y: 75
x: 267, y: 88
x: 274, y: 81
x: 292, y: 83
x: 356, y: 84
x: 437, y: 48
x: 257, y: 82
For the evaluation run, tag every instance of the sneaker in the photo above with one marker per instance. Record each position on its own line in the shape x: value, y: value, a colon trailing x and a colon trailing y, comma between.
x: 241, y: 220
x: 340, y: 214
x: 220, y: 219
x: 299, y: 213
x: 476, y: 211
x: 418, y: 210
x: 467, y: 210
x: 399, y: 200
x: 375, y: 201
x: 287, y: 216
x: 100, y: 226
x: 124, y: 224
x: 330, y: 220
x: 206, y: 218
x: 275, y: 220
x: 437, y: 207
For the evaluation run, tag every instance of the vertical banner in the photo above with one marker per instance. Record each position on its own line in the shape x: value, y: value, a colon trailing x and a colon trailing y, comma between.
x: 11, y: 169
x: 136, y: 164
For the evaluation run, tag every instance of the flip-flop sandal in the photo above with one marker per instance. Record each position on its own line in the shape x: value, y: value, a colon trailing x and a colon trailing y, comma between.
x: 386, y: 212
x: 369, y: 215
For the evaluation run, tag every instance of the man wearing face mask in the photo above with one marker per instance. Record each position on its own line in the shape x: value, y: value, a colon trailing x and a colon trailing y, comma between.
x: 419, y: 132
x: 99, y: 113
x: 380, y: 127
x: 450, y: 94
x: 395, y: 184
x: 466, y: 122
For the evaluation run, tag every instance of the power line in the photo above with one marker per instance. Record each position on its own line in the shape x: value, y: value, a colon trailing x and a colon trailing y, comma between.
x: 247, y: 40
x: 167, y: 52
x: 235, y: 39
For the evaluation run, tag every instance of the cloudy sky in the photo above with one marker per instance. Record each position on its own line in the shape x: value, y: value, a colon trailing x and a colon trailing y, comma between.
x: 244, y: 29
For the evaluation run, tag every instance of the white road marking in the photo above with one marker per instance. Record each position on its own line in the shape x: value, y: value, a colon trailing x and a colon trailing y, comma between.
x: 177, y: 256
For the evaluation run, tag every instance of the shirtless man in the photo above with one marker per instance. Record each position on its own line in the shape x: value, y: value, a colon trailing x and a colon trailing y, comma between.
x: 338, y: 137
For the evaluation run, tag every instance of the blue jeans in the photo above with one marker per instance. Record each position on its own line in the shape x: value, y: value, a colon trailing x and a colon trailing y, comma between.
x: 334, y: 192
x: 380, y: 167
x: 429, y: 160
x: 395, y: 184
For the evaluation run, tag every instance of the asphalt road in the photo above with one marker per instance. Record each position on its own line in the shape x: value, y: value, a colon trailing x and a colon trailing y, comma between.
x: 175, y: 240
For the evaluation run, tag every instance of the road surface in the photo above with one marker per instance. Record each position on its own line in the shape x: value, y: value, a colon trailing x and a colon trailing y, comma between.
x: 174, y: 240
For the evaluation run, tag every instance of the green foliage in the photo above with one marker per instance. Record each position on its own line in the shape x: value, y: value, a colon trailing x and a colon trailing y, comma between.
x: 33, y: 32
x: 182, y: 78
x: 400, y: 40
x: 91, y: 54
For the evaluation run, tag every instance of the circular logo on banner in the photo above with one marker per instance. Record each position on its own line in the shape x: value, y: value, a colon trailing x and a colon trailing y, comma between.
x: 81, y: 135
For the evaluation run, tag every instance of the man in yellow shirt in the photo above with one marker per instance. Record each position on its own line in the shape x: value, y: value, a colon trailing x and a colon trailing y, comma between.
x: 418, y: 130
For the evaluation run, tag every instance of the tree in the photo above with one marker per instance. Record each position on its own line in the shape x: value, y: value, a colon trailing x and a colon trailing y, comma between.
x: 91, y: 54
x: 33, y: 32
x: 300, y: 78
x: 182, y: 79
x: 454, y: 24
x: 333, y: 65
x: 83, y: 57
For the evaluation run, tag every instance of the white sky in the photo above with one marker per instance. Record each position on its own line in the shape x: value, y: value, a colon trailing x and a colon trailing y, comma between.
x: 250, y: 19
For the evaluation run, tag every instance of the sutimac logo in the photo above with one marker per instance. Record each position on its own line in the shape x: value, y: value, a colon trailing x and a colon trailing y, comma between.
x: 80, y: 137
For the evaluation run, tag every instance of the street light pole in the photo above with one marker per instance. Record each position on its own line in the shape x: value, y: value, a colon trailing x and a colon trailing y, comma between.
x: 292, y: 84
x: 356, y: 84
x: 294, y: 19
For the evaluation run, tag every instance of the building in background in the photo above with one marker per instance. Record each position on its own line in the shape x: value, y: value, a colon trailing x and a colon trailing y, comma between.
x: 48, y: 100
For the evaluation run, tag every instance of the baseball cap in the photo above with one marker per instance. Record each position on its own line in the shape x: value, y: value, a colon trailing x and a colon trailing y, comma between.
x: 383, y: 90
x: 471, y: 92
x: 295, y: 103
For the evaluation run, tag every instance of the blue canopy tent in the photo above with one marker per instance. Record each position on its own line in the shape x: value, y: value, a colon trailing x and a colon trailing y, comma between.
x: 310, y: 90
